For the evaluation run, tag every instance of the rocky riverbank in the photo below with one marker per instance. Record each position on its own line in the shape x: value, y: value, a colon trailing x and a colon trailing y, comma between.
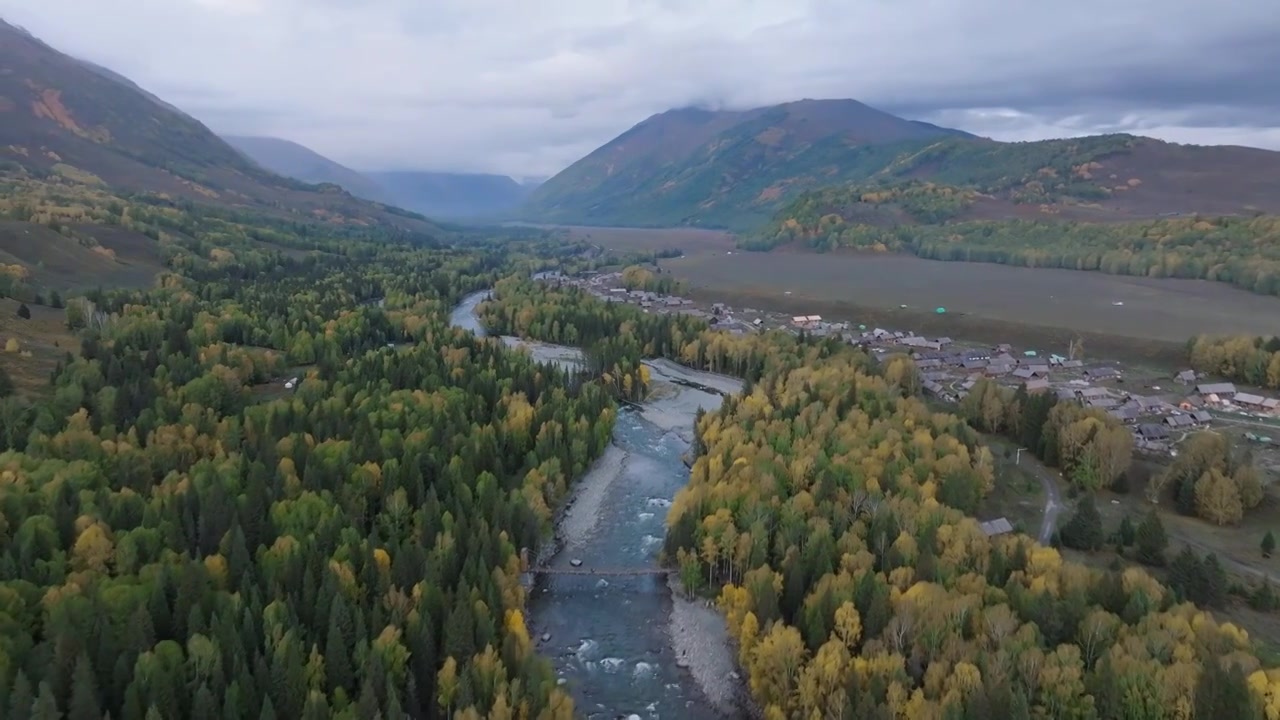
x: 700, y: 641
x: 614, y: 515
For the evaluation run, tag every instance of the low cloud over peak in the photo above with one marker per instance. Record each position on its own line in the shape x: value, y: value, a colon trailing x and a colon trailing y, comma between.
x: 526, y: 88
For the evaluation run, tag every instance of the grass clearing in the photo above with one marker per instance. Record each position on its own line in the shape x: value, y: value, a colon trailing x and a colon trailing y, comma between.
x: 124, y: 258
x: 1017, y: 496
x: 42, y: 341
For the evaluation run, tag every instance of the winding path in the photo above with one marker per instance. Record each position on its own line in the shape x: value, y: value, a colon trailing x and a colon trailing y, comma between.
x: 1053, y: 504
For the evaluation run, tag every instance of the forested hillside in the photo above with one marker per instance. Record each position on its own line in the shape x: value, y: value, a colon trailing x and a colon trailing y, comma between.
x: 930, y: 221
x: 183, y: 534
x: 825, y: 504
x: 64, y: 118
x: 736, y: 169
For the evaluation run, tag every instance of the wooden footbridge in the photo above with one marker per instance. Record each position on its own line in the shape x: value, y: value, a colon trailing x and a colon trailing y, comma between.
x: 601, y: 572
x: 577, y: 569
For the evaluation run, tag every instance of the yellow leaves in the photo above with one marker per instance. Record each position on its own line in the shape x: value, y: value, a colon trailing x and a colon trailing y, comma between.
x: 775, y: 665
x: 516, y: 627
x: 1043, y: 561
x: 447, y: 684
x: 1135, y: 579
x: 93, y: 549
x: 216, y: 565
x: 1218, y: 498
x: 1266, y: 685
x: 848, y: 626
x: 383, y: 560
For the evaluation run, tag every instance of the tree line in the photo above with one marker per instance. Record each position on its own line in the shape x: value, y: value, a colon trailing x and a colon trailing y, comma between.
x: 1241, y: 251
x: 1250, y: 360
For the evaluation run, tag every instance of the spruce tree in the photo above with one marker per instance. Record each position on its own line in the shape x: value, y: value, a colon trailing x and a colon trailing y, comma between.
x: 46, y: 704
x: 1268, y: 544
x: 21, y: 698
x: 85, y: 704
x: 1151, y: 540
x: 1084, y: 530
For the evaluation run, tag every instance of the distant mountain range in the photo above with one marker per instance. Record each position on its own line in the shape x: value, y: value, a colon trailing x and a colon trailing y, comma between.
x: 454, y: 196
x: 69, y: 118
x: 293, y: 160
x: 736, y: 169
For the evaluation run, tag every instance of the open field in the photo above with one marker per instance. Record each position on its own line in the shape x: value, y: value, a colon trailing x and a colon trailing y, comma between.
x: 42, y: 341
x: 1040, y: 308
x: 690, y: 240
x: 1153, y: 309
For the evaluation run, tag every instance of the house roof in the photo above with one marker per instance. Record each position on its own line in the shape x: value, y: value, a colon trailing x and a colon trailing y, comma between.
x: 1216, y: 389
x: 1153, y: 431
x: 999, y: 526
x: 1249, y: 399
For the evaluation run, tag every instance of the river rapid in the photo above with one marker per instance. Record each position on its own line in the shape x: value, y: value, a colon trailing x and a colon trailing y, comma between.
x: 628, y: 646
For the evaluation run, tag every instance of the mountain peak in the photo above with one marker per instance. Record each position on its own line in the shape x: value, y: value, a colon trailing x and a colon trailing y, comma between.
x: 713, y: 151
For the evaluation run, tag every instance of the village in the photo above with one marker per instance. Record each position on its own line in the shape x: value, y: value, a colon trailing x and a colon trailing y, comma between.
x: 1161, y: 411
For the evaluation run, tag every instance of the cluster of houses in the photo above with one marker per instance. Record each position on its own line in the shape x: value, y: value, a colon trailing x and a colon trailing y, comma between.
x: 646, y: 299
x: 1225, y: 395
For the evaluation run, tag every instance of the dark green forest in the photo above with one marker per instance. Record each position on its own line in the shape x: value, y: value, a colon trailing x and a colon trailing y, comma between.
x: 182, y: 536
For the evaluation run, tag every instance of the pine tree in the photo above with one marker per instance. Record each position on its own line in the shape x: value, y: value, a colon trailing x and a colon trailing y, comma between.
x: 46, y: 705
x: 21, y: 698
x: 337, y: 657
x: 24, y: 312
x: 1127, y: 532
x: 1151, y: 540
x: 1268, y: 544
x: 84, y: 692
x: 1215, y: 579
x: 1084, y: 530
x: 203, y: 705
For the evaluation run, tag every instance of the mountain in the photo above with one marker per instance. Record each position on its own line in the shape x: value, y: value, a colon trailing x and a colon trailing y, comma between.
x: 63, y: 118
x: 716, y: 167
x: 290, y: 159
x: 737, y: 169
x: 453, y: 195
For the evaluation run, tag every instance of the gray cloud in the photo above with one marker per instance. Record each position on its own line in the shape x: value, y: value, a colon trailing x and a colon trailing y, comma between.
x: 526, y: 88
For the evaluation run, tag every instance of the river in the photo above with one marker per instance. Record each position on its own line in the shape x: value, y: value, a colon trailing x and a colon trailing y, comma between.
x: 626, y: 645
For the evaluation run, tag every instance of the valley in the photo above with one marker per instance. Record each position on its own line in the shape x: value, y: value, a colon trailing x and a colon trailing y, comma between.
x: 272, y: 447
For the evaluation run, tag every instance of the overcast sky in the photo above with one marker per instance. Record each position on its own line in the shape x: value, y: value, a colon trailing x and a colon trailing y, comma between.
x: 526, y: 87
